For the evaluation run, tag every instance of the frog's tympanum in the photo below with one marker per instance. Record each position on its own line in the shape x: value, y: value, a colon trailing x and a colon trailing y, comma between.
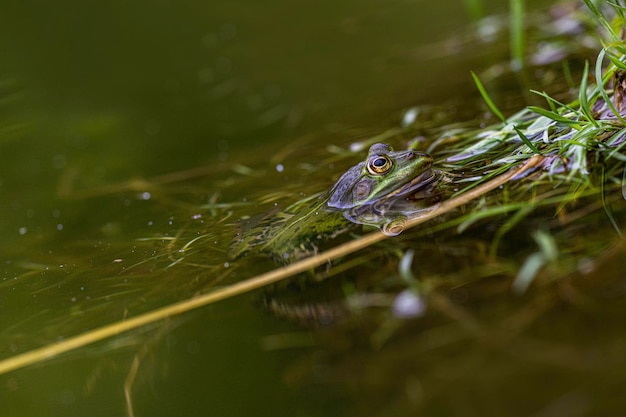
x: 382, y: 191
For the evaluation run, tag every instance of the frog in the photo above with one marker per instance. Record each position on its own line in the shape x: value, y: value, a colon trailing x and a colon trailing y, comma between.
x: 382, y: 191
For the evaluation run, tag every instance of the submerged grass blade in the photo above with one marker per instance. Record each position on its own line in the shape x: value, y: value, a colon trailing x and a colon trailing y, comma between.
x: 527, y: 273
x: 607, y: 206
x: 624, y: 184
x: 519, y: 215
x: 474, y: 217
x: 548, y: 252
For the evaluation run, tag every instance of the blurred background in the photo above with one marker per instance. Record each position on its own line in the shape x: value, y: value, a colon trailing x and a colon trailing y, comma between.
x: 96, y: 95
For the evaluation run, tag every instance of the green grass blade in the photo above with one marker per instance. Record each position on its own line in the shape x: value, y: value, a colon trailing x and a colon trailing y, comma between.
x: 617, y: 61
x: 513, y: 220
x: 526, y: 141
x: 600, y: 17
x: 554, y: 103
x: 601, y: 81
x: 492, y: 106
x: 555, y: 116
x: 585, y: 106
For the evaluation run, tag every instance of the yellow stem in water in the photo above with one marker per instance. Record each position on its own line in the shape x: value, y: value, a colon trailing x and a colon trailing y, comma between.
x: 49, y: 351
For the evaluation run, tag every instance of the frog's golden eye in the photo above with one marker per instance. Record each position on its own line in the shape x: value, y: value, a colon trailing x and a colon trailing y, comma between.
x: 379, y: 165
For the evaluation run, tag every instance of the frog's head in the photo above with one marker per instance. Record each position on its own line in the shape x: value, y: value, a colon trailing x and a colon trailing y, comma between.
x: 384, y: 174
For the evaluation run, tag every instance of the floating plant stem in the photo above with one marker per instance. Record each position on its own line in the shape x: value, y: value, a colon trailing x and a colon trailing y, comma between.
x: 276, y: 275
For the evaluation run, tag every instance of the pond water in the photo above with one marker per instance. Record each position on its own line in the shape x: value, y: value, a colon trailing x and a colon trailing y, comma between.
x: 134, y: 135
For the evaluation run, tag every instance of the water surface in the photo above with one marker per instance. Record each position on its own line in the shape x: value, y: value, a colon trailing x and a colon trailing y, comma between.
x: 122, y: 125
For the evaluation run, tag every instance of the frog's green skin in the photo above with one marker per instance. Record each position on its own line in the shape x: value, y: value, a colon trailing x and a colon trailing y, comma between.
x: 381, y: 191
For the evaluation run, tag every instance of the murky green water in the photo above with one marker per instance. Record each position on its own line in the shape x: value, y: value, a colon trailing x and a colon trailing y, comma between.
x: 124, y: 127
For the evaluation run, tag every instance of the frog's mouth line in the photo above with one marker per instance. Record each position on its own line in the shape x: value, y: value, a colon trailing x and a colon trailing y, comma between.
x: 419, y: 183
x: 406, y: 199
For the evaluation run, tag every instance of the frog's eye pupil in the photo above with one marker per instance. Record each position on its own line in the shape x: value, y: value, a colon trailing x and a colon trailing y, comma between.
x: 379, y: 162
x: 379, y: 165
